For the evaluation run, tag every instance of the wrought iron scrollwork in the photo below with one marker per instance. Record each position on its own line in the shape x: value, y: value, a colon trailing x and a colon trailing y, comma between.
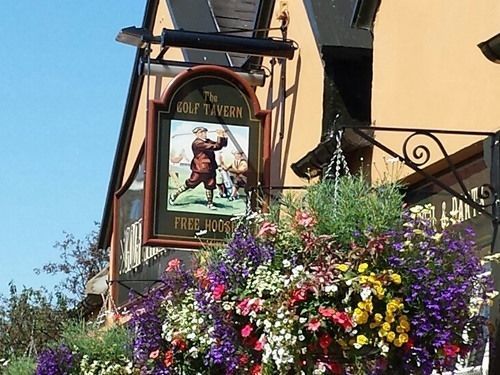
x: 417, y: 156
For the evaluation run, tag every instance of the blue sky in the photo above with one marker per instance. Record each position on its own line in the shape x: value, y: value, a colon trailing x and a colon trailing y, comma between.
x: 63, y: 86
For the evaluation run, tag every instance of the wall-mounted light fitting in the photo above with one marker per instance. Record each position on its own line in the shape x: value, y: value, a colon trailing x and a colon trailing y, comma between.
x: 491, y: 48
x: 140, y: 37
x: 165, y: 68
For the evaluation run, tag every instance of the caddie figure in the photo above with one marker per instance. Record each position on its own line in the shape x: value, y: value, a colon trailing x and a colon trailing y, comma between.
x: 203, y: 165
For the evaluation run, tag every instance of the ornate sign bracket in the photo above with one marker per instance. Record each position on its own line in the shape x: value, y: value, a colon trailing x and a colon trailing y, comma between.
x: 417, y: 156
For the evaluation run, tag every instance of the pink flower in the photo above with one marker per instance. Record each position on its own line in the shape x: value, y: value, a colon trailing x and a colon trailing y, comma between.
x: 313, y: 324
x: 249, y: 304
x: 246, y: 330
x: 451, y: 350
x: 173, y: 265
x: 267, y: 229
x: 218, y: 292
x: 304, y: 219
x: 259, y: 345
x: 154, y: 354
x: 244, y: 307
x: 298, y: 295
x: 327, y: 312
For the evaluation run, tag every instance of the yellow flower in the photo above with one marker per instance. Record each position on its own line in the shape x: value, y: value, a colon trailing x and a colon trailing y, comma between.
x: 386, y: 327
x: 342, y: 267
x: 362, y: 267
x: 396, y: 278
x: 404, y: 325
x: 397, y: 343
x: 361, y: 340
x: 403, y: 337
x: 380, y: 292
x: 363, y: 279
x: 392, y: 307
x: 374, y: 325
x: 390, y: 336
x: 389, y: 318
x: 378, y: 317
x: 360, y: 316
x: 366, y: 305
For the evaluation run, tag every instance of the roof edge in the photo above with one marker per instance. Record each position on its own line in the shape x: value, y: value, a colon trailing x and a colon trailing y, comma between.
x: 125, y: 135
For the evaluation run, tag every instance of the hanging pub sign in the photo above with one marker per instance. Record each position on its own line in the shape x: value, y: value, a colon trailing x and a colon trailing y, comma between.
x: 207, y: 150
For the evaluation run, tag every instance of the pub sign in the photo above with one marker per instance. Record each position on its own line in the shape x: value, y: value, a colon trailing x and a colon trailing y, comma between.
x: 207, y: 150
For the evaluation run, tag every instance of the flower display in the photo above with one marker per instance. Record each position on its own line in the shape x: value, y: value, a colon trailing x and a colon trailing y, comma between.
x: 286, y: 295
x: 355, y: 285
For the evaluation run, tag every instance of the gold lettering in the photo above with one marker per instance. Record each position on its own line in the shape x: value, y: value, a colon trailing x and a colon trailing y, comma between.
x: 239, y: 112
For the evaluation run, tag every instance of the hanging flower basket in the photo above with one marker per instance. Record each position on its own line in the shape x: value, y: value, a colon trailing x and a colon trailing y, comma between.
x: 352, y: 285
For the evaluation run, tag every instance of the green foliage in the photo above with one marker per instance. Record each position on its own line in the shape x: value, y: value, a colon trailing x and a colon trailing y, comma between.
x: 359, y: 207
x: 80, y: 260
x: 29, y: 319
x: 19, y: 366
x: 106, y: 344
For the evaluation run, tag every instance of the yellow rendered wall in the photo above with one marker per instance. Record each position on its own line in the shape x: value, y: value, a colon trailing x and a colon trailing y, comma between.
x: 304, y: 97
x: 429, y: 73
x: 156, y: 87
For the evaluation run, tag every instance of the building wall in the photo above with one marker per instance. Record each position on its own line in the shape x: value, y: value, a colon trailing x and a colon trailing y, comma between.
x: 156, y: 87
x: 303, y: 109
x: 429, y: 73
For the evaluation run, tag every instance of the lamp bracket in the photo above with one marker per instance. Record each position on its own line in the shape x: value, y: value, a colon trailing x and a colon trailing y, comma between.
x: 416, y: 155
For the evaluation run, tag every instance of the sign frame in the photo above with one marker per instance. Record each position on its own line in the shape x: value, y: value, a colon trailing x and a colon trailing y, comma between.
x: 205, y: 96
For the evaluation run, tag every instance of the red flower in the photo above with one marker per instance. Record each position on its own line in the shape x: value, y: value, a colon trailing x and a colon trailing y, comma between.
x: 179, y: 344
x: 313, y: 324
x: 244, y: 358
x: 343, y: 319
x: 218, y: 292
x: 256, y: 369
x: 334, y: 367
x: 246, y: 330
x: 173, y: 265
x: 324, y: 342
x: 169, y: 358
x: 451, y: 350
x: 408, y: 345
x: 298, y: 295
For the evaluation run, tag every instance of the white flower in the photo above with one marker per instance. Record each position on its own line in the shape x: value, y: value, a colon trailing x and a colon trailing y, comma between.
x: 331, y: 288
x: 365, y: 293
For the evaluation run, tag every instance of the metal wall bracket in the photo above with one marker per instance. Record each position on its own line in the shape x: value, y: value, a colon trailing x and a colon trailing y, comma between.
x: 416, y: 157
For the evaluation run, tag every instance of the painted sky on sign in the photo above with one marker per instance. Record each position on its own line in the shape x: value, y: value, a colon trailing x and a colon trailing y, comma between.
x: 182, y: 137
x: 63, y: 88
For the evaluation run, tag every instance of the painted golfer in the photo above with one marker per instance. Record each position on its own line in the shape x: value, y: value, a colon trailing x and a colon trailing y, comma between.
x: 203, y: 165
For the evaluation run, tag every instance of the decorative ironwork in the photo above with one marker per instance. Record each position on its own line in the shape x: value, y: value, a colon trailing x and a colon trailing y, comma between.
x: 419, y: 155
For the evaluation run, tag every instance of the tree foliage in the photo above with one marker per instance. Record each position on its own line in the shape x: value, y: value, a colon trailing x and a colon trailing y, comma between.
x: 29, y: 319
x: 80, y: 260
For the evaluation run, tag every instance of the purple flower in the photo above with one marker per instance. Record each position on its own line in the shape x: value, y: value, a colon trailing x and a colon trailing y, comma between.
x: 56, y: 361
